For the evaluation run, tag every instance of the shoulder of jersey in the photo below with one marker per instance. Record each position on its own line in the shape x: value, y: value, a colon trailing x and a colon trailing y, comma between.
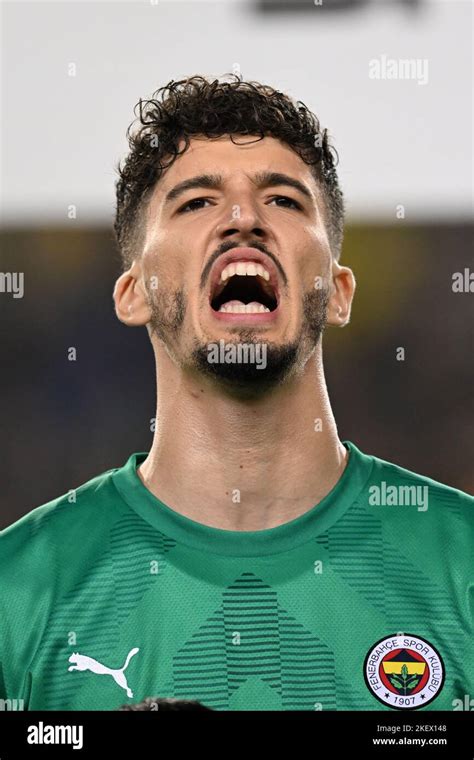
x: 440, y: 494
x: 62, y: 513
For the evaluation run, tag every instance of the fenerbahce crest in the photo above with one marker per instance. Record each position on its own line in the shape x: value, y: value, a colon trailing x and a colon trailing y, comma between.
x: 404, y: 671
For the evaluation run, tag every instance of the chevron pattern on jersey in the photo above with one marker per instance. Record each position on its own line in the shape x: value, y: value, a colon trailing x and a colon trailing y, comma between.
x: 252, y: 637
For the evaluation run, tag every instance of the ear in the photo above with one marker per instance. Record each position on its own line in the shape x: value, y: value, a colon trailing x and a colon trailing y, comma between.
x: 131, y: 304
x: 342, y: 293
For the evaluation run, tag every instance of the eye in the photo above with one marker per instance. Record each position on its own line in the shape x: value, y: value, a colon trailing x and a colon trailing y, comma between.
x: 182, y: 210
x: 290, y: 200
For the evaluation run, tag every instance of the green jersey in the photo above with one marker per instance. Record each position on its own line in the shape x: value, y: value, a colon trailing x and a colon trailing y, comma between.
x: 108, y: 596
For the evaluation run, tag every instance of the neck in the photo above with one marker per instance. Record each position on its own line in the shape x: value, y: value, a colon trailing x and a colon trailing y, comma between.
x: 243, y: 465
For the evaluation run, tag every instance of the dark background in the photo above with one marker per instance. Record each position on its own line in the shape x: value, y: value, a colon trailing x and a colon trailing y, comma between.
x: 65, y: 422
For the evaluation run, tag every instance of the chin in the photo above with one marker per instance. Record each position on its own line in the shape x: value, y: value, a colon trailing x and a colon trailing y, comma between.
x: 246, y: 366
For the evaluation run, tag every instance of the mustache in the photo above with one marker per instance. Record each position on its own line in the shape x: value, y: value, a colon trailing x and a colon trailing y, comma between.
x: 227, y: 246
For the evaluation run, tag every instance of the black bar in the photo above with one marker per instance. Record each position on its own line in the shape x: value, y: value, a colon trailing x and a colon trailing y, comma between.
x: 148, y: 734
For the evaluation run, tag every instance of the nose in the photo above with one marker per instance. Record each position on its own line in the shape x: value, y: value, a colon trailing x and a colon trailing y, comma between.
x: 244, y: 220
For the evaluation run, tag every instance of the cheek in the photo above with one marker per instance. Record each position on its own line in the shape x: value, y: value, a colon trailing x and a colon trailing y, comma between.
x: 179, y: 264
x: 162, y: 273
x: 151, y: 265
x: 315, y: 262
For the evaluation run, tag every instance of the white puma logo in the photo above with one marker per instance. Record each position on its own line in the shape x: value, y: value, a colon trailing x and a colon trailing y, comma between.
x: 82, y: 662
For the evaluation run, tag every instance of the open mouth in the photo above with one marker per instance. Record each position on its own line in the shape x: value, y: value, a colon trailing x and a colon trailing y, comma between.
x: 244, y: 287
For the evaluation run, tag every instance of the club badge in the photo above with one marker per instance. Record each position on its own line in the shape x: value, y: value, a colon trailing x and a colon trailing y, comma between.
x: 404, y: 671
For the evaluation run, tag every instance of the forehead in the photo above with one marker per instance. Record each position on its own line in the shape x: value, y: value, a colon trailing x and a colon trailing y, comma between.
x: 242, y: 155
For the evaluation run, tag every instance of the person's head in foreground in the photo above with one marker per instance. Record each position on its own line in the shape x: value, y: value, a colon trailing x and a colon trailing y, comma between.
x: 230, y: 225
x: 165, y: 704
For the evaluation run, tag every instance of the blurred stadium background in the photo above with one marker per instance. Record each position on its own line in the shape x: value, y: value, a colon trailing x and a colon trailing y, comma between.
x: 399, y: 142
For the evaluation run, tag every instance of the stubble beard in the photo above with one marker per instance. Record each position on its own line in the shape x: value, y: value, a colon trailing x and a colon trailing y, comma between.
x: 243, y: 380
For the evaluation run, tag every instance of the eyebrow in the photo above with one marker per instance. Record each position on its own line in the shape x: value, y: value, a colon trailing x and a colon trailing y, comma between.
x: 215, y: 182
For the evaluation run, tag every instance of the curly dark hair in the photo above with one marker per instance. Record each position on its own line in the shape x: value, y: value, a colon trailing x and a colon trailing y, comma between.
x: 150, y: 704
x: 198, y: 106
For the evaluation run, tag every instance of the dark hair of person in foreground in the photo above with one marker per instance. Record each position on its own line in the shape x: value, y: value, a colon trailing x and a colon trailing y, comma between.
x: 159, y: 704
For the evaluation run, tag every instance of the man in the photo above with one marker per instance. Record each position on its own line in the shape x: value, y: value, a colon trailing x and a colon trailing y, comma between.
x: 250, y: 559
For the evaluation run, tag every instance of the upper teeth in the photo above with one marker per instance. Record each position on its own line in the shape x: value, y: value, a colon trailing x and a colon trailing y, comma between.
x: 244, y: 268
